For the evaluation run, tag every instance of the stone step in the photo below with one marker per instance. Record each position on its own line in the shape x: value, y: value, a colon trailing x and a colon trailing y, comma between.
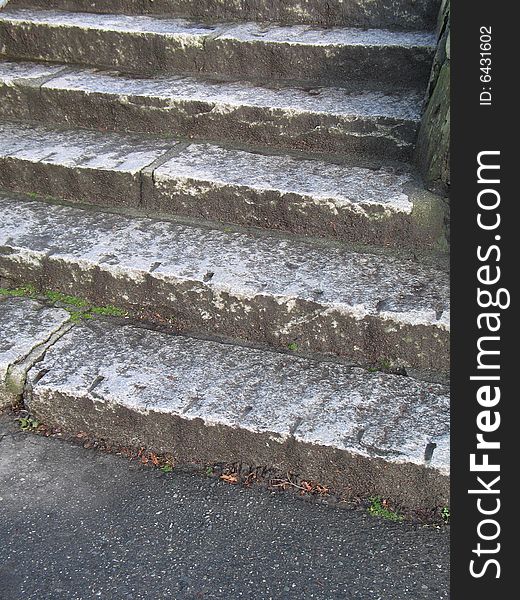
x: 385, y: 14
x: 314, y: 120
x: 148, y: 45
x: 204, y: 402
x: 366, y: 307
x: 362, y: 433
x: 213, y: 183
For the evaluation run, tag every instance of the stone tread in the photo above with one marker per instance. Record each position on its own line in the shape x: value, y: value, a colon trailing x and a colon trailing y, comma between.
x: 250, y: 32
x: 80, y: 148
x: 263, y: 288
x: 211, y: 182
x: 405, y: 105
x: 372, y: 414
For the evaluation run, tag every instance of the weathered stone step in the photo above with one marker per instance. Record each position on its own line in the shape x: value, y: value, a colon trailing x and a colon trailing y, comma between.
x: 386, y: 14
x: 147, y: 45
x: 365, y: 307
x: 315, y: 120
x: 213, y: 183
x: 363, y: 433
x: 205, y: 402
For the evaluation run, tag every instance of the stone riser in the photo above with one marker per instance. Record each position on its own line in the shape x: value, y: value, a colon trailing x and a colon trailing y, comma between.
x: 385, y: 14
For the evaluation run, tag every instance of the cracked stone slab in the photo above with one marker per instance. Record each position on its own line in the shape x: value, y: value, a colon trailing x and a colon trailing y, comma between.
x: 391, y: 14
x: 144, y: 44
x: 86, y: 166
x: 209, y: 182
x: 261, y: 288
x: 205, y: 401
x: 26, y: 328
x: 316, y: 119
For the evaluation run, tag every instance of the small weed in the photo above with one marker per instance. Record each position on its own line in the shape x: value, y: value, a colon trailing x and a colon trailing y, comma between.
x: 66, y: 299
x: 446, y: 515
x: 167, y: 469
x: 76, y: 316
x: 32, y: 195
x: 293, y: 347
x: 385, y: 365
x: 108, y: 311
x: 209, y: 471
x: 25, y: 291
x: 382, y: 366
x: 78, y: 308
x: 28, y: 423
x: 379, y: 508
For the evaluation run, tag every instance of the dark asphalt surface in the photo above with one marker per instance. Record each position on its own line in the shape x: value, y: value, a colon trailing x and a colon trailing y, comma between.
x: 82, y: 524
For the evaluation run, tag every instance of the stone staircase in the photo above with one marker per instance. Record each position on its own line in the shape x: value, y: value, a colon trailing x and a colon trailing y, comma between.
x: 237, y: 177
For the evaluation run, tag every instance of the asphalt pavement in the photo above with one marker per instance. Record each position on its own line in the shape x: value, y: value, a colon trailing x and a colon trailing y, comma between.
x: 80, y: 524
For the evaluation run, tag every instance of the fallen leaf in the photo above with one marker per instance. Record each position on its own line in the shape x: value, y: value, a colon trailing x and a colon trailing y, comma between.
x: 229, y: 478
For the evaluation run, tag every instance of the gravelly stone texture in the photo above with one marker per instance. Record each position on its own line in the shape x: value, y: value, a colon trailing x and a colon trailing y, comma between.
x: 392, y: 14
x: 265, y: 289
x: 25, y: 325
x: 206, y: 402
x: 143, y: 44
x: 204, y: 181
x: 313, y: 119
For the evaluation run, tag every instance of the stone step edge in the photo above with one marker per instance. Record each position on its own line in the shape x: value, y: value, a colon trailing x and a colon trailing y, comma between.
x: 335, y: 13
x: 168, y: 178
x: 360, y: 433
x: 151, y: 45
x: 324, y: 299
x: 369, y: 125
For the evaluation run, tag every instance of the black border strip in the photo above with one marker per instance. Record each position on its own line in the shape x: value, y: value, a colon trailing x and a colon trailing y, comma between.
x: 480, y: 128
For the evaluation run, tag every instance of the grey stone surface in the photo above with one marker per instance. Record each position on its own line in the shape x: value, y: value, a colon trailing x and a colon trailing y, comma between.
x: 209, y: 182
x: 392, y: 14
x: 79, y: 525
x: 143, y: 44
x: 362, y: 433
x: 26, y: 329
x: 318, y: 120
x: 86, y: 166
x: 261, y: 288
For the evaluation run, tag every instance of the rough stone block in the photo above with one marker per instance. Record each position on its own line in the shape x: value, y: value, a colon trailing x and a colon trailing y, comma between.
x: 205, y: 402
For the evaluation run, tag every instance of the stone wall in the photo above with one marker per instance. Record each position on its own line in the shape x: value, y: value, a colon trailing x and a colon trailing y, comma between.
x: 433, y: 145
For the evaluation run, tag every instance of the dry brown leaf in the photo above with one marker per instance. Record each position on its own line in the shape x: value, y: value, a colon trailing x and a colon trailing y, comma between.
x: 229, y: 478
